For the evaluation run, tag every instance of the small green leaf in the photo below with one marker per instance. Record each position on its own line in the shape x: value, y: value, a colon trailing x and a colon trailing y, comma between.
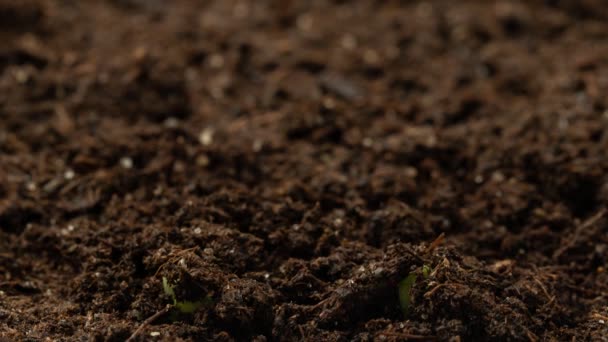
x: 426, y: 271
x: 405, y: 289
x: 186, y: 306
x: 169, y: 290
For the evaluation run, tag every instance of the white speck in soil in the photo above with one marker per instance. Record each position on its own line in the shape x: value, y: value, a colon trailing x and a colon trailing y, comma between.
x: 31, y: 186
x: 126, y: 163
x: 206, y: 137
x: 69, y: 174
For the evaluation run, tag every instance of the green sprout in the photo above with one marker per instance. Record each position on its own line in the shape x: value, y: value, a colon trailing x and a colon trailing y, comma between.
x: 426, y: 271
x: 186, y: 307
x: 405, y: 287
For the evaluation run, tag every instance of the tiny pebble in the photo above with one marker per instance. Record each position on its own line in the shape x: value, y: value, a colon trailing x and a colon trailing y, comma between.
x: 126, y: 163
x: 498, y: 177
x: 349, y: 42
x: 216, y: 61
x: 69, y: 174
x: 411, y: 172
x: 329, y: 102
x: 206, y: 137
x: 202, y: 160
x: 31, y: 186
x: 305, y: 22
x: 171, y: 122
x: 257, y: 145
x: 371, y: 57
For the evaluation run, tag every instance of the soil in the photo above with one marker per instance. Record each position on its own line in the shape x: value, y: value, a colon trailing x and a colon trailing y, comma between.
x: 288, y: 163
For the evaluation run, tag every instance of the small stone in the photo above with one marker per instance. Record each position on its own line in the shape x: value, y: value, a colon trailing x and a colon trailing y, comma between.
x: 21, y: 75
x: 371, y: 57
x: 179, y: 167
x: 216, y: 61
x: 198, y: 230
x: 69, y: 174
x: 257, y: 145
x: 498, y: 177
x: 126, y: 163
x: 202, y: 160
x: 411, y: 172
x: 66, y: 231
x: 329, y: 102
x: 206, y: 137
x: 349, y: 42
x: 171, y: 122
x: 31, y: 186
x: 305, y: 22
x: 155, y: 334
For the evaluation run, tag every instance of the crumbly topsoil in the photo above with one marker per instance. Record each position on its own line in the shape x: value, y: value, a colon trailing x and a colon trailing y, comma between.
x: 291, y: 162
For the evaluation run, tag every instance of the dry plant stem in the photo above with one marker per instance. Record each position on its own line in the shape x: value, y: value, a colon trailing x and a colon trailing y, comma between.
x: 436, y: 243
x: 407, y: 337
x: 592, y: 220
x: 149, y: 321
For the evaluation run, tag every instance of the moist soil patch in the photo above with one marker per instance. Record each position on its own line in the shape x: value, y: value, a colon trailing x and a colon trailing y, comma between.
x: 283, y: 166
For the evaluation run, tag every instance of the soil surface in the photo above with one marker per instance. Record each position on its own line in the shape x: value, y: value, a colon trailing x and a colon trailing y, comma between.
x: 285, y: 165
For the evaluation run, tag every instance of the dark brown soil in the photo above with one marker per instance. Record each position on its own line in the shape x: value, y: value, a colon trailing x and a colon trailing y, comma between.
x: 291, y: 162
